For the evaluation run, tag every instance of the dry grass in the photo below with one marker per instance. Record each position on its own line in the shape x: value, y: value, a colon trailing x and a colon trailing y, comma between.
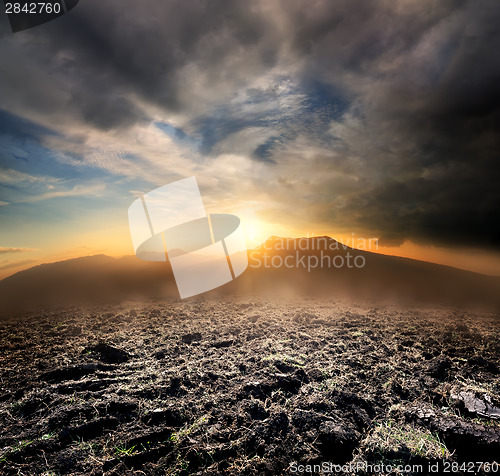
x: 392, y: 438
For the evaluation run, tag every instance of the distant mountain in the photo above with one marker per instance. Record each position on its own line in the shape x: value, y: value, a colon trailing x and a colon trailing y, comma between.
x: 302, y: 266
x: 91, y: 279
x: 340, y: 269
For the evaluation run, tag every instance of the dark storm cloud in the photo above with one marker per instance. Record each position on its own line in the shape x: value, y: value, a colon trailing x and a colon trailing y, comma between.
x: 431, y: 112
x: 114, y: 48
x: 397, y: 101
x: 444, y: 186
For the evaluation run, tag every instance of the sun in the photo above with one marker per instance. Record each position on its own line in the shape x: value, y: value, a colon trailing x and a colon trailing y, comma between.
x: 253, y: 233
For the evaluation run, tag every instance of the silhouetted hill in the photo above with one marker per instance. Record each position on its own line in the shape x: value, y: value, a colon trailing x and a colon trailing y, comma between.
x: 90, y: 279
x: 339, y: 269
x: 305, y: 266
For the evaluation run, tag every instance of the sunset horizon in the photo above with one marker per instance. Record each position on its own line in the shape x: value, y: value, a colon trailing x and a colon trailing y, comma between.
x: 250, y: 237
x: 475, y: 260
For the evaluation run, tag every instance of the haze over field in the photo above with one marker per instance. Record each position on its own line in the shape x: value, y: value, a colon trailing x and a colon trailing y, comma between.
x: 357, y: 140
x: 374, y: 118
x: 282, y: 267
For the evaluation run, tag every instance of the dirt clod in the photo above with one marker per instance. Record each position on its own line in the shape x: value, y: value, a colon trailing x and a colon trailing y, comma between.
x: 218, y: 386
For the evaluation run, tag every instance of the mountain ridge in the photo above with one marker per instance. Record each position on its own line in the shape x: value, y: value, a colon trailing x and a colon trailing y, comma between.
x: 98, y: 279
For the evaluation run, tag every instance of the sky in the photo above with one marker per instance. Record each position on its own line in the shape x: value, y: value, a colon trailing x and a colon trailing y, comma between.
x: 351, y: 118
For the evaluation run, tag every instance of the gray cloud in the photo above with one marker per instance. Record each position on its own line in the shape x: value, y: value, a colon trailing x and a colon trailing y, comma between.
x: 379, y: 116
x: 4, y: 250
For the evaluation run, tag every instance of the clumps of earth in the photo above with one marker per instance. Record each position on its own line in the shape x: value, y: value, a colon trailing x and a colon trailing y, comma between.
x: 247, y: 386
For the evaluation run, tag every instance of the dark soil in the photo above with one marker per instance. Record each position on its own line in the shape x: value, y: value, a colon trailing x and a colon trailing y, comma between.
x: 245, y: 386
